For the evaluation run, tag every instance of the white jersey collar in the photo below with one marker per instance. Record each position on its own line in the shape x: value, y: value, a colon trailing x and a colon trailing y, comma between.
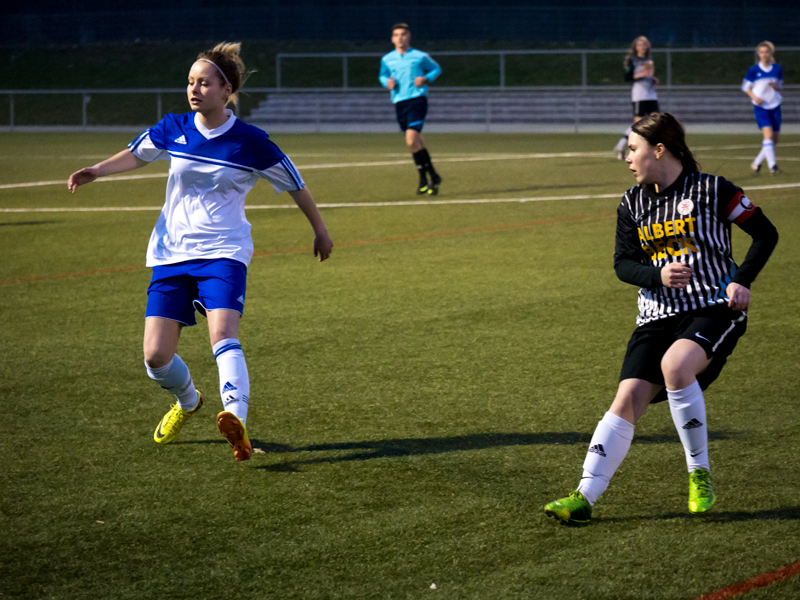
x: 212, y: 133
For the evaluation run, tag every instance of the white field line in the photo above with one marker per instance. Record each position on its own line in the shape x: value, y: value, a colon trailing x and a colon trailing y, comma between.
x: 750, y: 158
x: 373, y: 204
x: 385, y: 163
x: 382, y: 163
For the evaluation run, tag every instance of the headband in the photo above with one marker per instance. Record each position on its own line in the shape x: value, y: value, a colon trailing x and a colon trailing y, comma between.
x: 211, y: 62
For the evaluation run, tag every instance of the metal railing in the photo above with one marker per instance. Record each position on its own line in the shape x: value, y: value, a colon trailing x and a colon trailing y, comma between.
x: 502, y: 54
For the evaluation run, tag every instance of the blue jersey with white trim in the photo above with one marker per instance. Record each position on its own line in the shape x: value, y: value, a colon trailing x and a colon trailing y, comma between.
x: 763, y: 83
x: 211, y: 171
x: 404, y: 68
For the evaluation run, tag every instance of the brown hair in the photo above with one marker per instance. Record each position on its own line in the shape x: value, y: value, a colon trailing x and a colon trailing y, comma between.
x: 226, y: 57
x: 401, y: 26
x: 663, y: 128
x: 766, y: 44
x: 632, y: 51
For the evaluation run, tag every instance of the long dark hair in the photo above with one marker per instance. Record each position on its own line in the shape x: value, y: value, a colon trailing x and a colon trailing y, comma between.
x: 663, y: 128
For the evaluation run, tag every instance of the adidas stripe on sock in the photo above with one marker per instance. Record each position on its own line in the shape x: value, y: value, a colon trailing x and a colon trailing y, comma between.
x: 688, y: 410
x: 609, y: 446
x: 234, y: 381
x: 176, y: 379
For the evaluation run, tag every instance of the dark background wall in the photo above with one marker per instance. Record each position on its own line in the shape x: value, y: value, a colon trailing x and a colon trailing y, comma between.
x: 680, y: 23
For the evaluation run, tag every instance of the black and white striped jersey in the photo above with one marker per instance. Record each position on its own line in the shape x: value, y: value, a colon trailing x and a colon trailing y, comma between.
x: 689, y: 222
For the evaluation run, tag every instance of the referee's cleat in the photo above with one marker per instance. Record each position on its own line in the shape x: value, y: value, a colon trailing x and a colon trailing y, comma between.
x: 170, y: 426
x: 775, y: 170
x: 701, y: 491
x: 756, y: 168
x: 232, y: 428
x: 574, y: 510
x: 433, y: 189
x: 423, y: 188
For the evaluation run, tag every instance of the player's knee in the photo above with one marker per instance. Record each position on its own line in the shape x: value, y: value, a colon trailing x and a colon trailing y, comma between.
x: 676, y: 369
x: 155, y: 357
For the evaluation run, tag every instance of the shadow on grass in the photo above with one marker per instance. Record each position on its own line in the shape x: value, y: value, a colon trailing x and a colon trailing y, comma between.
x: 790, y: 513
x: 369, y: 450
x: 26, y: 223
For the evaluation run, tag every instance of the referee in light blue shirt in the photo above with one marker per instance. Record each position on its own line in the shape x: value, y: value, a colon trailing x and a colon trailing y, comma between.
x: 406, y: 72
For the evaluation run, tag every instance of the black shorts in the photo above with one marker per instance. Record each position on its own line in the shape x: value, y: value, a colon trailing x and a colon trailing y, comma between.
x: 411, y: 113
x: 644, y: 107
x: 715, y: 328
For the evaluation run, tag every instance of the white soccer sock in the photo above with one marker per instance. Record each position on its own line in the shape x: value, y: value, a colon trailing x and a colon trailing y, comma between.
x: 761, y: 156
x: 768, y: 148
x: 689, y: 415
x: 234, y: 382
x: 609, y: 446
x: 175, y: 378
x: 623, y: 141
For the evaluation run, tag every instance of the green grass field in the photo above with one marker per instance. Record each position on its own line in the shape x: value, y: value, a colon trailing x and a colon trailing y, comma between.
x: 416, y: 399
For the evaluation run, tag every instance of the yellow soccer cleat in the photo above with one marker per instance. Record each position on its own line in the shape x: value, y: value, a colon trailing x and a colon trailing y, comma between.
x: 232, y: 428
x: 170, y: 426
x: 701, y: 491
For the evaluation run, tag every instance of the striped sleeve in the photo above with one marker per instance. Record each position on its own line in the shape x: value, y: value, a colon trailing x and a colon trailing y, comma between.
x: 283, y: 176
x: 150, y: 144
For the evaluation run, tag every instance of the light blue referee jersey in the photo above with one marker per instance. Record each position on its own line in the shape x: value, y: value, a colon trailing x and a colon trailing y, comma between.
x: 405, y: 68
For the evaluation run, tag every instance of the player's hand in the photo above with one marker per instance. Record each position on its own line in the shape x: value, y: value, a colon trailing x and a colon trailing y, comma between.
x: 323, y: 245
x: 420, y: 81
x: 391, y: 83
x: 758, y: 100
x: 82, y: 177
x: 738, y: 296
x: 676, y: 275
x: 656, y: 80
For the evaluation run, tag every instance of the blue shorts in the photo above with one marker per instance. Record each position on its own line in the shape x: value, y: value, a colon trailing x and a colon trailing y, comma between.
x: 411, y: 113
x: 768, y: 117
x: 177, y: 290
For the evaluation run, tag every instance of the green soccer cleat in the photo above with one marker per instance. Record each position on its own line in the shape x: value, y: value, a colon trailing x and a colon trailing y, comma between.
x: 433, y: 188
x: 701, y: 491
x: 573, y: 510
x: 170, y: 426
x: 232, y: 428
x: 423, y: 188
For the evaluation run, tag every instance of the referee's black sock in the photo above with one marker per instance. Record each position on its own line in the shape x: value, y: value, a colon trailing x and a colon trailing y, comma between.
x: 419, y: 160
x: 428, y: 164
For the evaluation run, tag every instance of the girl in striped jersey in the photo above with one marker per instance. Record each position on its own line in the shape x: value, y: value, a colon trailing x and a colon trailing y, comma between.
x: 201, y: 244
x: 674, y: 242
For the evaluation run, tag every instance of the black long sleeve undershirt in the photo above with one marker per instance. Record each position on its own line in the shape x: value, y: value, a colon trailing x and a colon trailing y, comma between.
x: 765, y: 238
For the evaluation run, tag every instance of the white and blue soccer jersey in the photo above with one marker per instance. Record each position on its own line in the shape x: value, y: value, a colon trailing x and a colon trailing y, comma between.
x: 404, y: 68
x: 210, y: 173
x: 758, y: 80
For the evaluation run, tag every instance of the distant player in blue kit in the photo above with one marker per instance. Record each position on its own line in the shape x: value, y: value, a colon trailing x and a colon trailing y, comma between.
x: 763, y: 83
x: 201, y: 245
x: 406, y: 72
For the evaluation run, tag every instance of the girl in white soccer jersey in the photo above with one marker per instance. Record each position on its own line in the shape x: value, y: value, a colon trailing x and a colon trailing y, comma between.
x: 674, y: 241
x: 763, y: 83
x: 201, y: 245
x: 639, y: 70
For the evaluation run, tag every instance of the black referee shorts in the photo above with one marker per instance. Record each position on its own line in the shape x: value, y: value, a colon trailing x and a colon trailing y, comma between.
x: 715, y: 328
x: 644, y: 107
x: 411, y: 113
